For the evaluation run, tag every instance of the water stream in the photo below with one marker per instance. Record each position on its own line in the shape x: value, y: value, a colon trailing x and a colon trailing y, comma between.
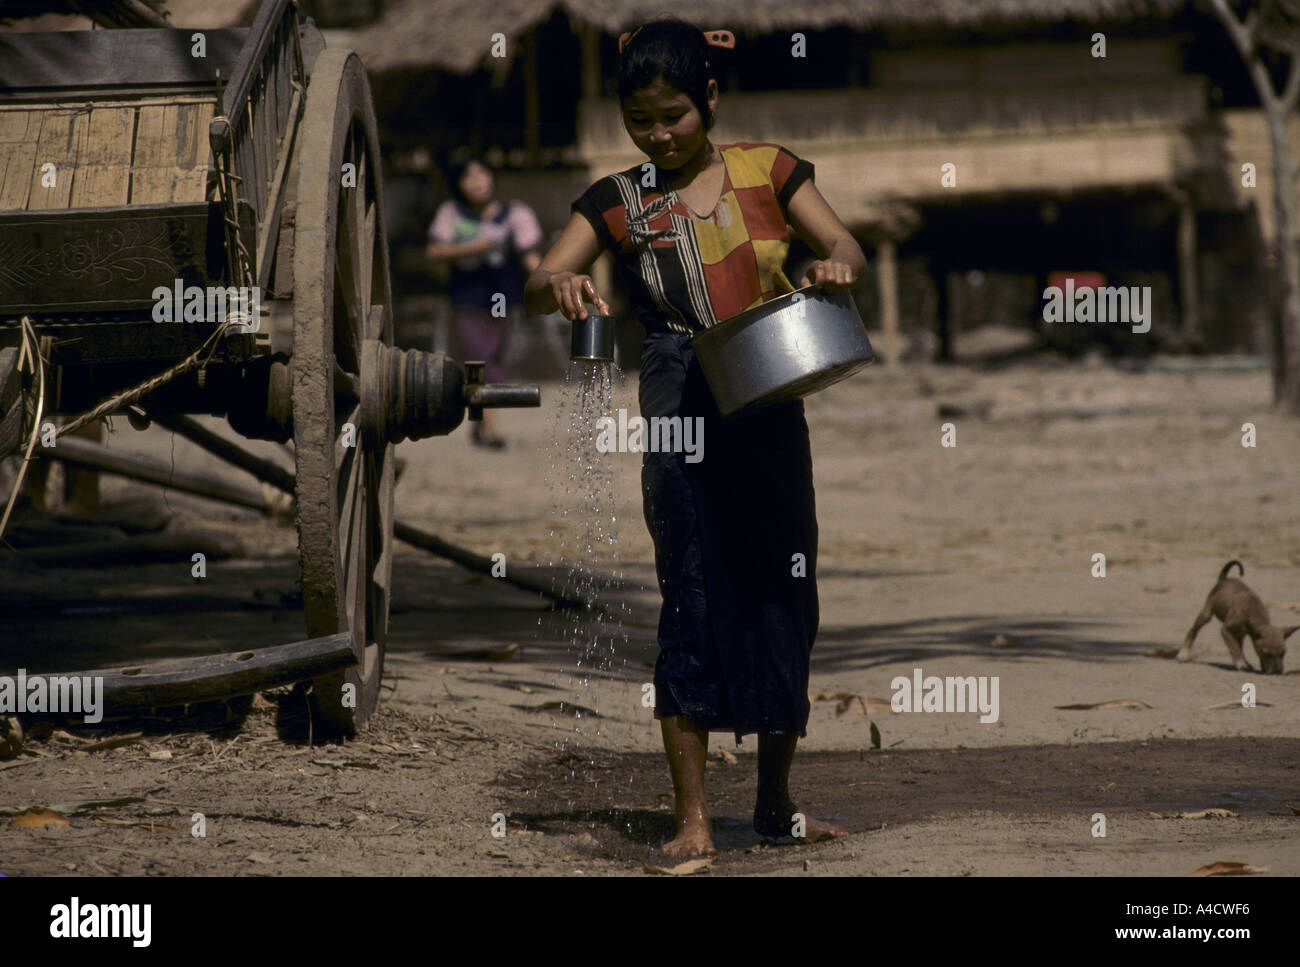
x: 584, y: 541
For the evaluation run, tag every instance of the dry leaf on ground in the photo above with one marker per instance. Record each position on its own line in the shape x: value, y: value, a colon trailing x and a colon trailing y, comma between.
x: 1236, y: 704
x: 688, y: 868
x: 37, y: 817
x: 1227, y: 868
x: 1112, y: 703
x: 113, y: 743
x: 1214, y: 813
x: 1162, y: 652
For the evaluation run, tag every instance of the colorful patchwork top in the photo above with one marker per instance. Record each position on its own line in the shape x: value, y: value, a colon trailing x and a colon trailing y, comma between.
x: 687, y: 273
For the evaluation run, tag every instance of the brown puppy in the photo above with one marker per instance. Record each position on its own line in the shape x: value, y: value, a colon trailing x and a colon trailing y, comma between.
x: 1242, y: 613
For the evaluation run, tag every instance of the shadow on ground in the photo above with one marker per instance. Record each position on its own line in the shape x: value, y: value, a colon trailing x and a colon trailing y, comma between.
x: 67, y: 619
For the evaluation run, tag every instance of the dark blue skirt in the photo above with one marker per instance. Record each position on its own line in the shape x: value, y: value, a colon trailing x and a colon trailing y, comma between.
x: 735, y: 538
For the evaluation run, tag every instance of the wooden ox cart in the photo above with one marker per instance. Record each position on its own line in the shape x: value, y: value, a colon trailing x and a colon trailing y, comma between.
x: 139, y: 166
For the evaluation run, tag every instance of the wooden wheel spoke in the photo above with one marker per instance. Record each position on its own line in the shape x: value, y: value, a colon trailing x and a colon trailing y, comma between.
x: 379, y: 491
x: 355, y: 575
x: 361, y: 229
x: 365, y: 259
x: 354, y: 515
x: 362, y: 153
x: 347, y: 462
x: 353, y: 258
x: 350, y: 232
x: 346, y: 344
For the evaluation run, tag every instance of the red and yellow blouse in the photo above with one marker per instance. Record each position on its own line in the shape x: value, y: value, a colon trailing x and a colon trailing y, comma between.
x: 686, y: 273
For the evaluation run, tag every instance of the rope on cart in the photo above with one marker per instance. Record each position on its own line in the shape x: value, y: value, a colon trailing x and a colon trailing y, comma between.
x: 29, y: 355
x: 129, y: 396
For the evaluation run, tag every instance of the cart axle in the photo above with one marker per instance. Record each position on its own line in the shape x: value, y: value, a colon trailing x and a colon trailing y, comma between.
x: 405, y: 394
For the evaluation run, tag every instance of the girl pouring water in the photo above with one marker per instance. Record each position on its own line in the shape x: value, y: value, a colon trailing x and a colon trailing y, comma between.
x: 699, y: 234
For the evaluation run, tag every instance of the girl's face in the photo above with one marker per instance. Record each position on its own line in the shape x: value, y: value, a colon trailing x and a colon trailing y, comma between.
x: 477, y: 185
x: 664, y: 123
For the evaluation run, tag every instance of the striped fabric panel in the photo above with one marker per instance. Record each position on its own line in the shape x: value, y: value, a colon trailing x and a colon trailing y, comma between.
x: 685, y: 273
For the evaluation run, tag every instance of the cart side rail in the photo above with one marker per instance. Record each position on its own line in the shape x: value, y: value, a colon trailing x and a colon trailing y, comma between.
x: 260, y: 107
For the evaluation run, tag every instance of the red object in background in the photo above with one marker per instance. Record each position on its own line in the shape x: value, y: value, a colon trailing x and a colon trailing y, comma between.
x: 1082, y: 280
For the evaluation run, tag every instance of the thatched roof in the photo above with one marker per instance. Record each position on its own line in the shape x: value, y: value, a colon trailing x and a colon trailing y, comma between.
x: 211, y: 14
x: 455, y: 34
x: 201, y: 14
x: 764, y: 15
x: 452, y: 34
x: 105, y: 13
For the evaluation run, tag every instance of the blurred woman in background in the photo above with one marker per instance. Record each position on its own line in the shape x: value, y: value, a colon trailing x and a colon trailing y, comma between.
x: 485, y: 240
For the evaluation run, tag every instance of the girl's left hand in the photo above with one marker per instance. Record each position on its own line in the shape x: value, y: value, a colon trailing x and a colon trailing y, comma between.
x: 828, y: 274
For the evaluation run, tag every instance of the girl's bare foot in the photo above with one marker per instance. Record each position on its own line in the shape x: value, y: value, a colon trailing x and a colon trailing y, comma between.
x: 779, y: 822
x: 687, y: 745
x: 693, y: 841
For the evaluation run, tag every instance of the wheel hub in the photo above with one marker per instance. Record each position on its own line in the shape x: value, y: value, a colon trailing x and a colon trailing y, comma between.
x: 407, y: 394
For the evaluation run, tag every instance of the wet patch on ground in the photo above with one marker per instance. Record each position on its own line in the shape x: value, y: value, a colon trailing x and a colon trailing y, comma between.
x: 619, y: 807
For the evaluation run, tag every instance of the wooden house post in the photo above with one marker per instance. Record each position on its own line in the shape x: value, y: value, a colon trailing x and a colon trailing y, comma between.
x: 602, y: 272
x: 589, y: 37
x: 532, y: 100
x: 1188, y: 288
x: 887, y: 272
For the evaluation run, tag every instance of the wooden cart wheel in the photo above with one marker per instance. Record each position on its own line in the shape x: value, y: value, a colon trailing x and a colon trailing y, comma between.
x: 341, y: 299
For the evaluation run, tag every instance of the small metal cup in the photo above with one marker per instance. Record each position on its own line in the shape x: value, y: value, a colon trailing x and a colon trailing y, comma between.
x: 593, y: 339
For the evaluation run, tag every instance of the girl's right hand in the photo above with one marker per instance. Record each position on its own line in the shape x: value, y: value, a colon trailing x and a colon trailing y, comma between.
x: 572, y: 291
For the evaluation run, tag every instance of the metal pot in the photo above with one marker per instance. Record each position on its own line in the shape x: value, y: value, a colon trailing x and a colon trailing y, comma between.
x: 592, y: 338
x: 783, y: 349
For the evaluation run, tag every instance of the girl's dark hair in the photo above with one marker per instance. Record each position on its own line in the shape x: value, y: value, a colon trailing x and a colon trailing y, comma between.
x: 455, y: 167
x: 671, y: 49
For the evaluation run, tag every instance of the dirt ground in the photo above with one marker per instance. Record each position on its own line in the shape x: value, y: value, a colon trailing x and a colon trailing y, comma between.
x: 928, y: 556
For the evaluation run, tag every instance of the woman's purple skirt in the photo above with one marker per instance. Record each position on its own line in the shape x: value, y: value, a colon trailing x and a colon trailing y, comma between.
x: 480, y: 335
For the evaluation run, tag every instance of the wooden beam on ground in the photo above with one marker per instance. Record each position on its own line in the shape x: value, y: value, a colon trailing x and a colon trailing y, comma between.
x: 82, y: 453
x: 210, y: 678
x: 228, y: 450
x: 480, y: 564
